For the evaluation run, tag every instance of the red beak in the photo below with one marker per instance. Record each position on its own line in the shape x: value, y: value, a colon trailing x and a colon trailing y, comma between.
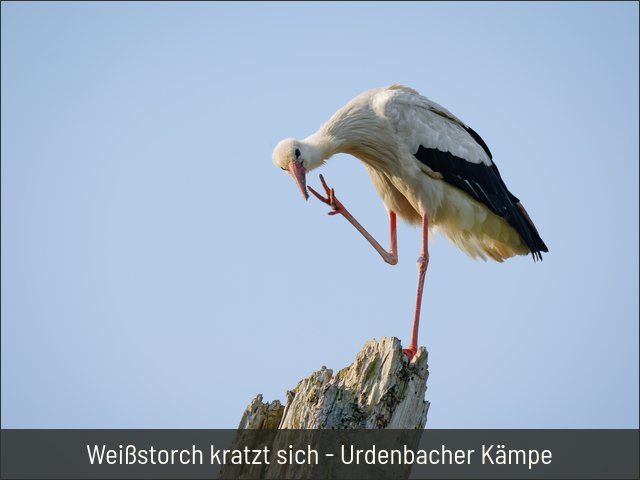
x: 298, y: 173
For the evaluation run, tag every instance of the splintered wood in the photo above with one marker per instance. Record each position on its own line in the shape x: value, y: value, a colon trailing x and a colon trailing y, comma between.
x: 380, y: 390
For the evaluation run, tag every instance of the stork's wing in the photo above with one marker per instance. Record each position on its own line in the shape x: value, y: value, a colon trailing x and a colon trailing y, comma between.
x: 458, y: 155
x: 419, y: 121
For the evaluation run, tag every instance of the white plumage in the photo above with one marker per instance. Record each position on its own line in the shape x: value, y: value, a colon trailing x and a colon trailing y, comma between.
x: 419, y: 121
x: 384, y: 127
x: 427, y: 166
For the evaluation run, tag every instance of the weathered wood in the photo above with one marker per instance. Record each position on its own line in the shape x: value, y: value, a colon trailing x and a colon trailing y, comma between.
x: 381, y: 389
x: 261, y: 416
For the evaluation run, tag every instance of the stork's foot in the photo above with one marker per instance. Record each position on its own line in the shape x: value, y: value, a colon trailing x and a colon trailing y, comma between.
x: 331, y: 200
x: 410, y: 352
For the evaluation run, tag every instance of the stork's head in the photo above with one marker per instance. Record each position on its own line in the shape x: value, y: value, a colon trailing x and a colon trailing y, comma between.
x: 297, y: 157
x: 288, y: 156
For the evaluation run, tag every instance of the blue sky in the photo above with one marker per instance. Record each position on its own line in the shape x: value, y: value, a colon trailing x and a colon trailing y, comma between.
x: 159, y: 271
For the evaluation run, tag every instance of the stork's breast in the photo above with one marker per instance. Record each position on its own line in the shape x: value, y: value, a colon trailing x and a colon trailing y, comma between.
x: 392, y: 197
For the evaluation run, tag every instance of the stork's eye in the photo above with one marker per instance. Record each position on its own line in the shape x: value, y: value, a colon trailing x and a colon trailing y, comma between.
x: 297, y: 153
x: 283, y: 168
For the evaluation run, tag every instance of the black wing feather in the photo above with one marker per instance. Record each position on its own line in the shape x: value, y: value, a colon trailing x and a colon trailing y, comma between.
x: 485, y: 185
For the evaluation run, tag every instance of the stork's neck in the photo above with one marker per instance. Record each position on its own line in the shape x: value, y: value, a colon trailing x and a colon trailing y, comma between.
x: 318, y: 147
x: 343, y: 133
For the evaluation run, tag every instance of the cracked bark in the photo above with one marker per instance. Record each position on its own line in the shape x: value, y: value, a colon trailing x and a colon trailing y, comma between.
x: 380, y: 389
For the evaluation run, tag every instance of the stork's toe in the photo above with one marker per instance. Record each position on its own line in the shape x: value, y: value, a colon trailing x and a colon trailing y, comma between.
x: 409, y: 352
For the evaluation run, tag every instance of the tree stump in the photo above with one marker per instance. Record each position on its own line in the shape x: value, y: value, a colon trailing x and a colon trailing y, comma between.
x: 381, y: 389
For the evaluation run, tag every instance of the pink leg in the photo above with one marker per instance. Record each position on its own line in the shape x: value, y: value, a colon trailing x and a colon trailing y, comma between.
x: 423, y: 262
x: 391, y: 257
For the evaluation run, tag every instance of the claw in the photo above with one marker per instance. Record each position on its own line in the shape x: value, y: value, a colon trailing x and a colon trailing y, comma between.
x: 324, y: 184
x: 409, y: 352
x: 330, y: 199
x: 317, y: 195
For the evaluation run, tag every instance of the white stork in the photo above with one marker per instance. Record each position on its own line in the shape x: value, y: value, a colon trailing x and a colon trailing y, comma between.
x: 428, y: 167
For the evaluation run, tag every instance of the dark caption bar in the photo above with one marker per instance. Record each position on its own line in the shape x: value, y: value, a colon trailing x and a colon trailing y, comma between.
x: 196, y: 454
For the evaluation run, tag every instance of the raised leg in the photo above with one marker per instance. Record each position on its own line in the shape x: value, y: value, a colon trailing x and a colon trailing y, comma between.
x: 391, y: 257
x: 423, y: 263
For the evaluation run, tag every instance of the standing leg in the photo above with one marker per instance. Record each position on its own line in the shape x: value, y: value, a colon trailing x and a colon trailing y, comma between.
x: 423, y: 262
